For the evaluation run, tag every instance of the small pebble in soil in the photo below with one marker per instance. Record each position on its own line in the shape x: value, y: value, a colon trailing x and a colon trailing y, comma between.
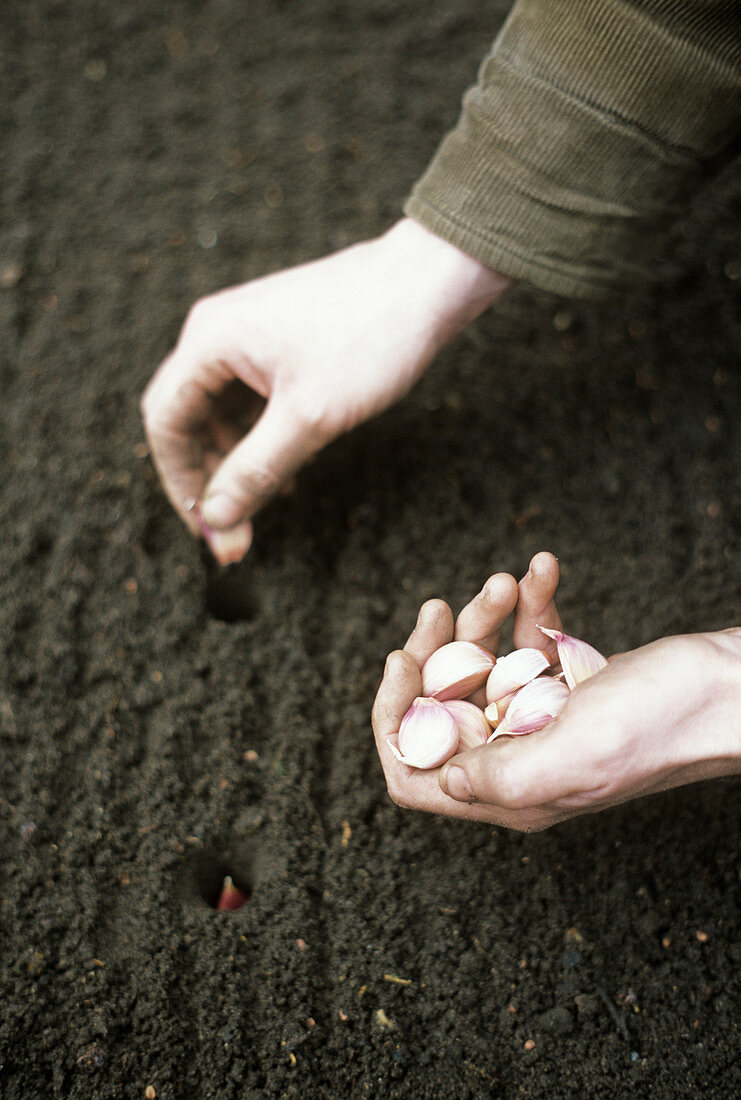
x: 557, y: 1020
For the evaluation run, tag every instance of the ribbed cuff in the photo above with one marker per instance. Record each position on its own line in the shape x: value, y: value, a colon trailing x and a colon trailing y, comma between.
x: 591, y: 126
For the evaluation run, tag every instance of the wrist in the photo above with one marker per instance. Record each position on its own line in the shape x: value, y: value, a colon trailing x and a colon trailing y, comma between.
x: 447, y: 286
x: 728, y: 644
x: 720, y: 732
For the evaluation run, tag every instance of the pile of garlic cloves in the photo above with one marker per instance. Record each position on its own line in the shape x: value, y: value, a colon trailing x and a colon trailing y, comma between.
x: 523, y: 694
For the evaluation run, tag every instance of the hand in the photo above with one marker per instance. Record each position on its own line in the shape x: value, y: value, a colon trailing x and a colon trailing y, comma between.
x: 659, y: 717
x: 266, y: 374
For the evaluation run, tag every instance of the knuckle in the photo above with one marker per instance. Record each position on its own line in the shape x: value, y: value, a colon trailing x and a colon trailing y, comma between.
x: 313, y: 415
x: 512, y: 793
x: 198, y: 314
x: 257, y: 483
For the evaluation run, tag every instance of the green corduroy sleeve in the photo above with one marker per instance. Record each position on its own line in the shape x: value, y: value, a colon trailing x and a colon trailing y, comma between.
x: 592, y: 124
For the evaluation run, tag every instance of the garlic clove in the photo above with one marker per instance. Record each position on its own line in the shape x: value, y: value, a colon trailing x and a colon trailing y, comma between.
x: 496, y: 711
x: 473, y: 729
x: 512, y: 672
x: 192, y: 504
x: 428, y: 735
x: 578, y: 660
x: 455, y: 670
x: 230, y: 897
x: 534, y: 706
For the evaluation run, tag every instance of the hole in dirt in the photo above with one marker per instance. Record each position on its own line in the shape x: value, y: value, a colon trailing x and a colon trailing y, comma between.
x: 209, y: 875
x: 230, y: 593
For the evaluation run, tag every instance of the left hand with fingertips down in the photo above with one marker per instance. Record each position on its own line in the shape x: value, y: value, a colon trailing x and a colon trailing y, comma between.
x: 661, y: 716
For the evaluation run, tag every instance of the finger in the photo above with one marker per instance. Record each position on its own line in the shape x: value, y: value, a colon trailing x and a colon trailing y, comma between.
x: 229, y: 547
x: 400, y: 686
x: 256, y: 469
x: 554, y: 767
x: 408, y: 787
x: 536, y: 606
x: 481, y: 620
x: 175, y: 408
x: 434, y: 629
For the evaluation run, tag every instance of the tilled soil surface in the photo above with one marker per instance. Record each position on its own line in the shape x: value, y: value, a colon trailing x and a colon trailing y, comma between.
x: 163, y: 724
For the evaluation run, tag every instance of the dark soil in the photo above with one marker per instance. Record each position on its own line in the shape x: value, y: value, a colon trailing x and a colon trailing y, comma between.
x: 155, y: 152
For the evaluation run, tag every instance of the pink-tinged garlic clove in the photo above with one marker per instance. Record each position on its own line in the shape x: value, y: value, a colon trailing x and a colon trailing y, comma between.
x: 578, y: 660
x: 428, y: 735
x: 473, y: 729
x: 230, y: 897
x: 193, y: 505
x: 534, y: 706
x: 455, y: 670
x: 512, y: 672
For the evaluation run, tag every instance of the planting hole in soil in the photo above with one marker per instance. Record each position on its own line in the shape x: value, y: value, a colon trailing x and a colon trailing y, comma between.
x: 229, y: 594
x: 218, y: 883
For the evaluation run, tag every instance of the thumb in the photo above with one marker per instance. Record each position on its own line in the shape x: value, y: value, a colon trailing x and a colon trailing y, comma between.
x: 253, y: 472
x: 516, y: 773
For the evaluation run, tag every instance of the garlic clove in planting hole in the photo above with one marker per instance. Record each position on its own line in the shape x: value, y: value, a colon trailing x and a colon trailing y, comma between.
x: 534, y: 706
x: 579, y: 660
x: 473, y: 729
x: 455, y: 670
x: 230, y: 897
x: 428, y: 735
x: 512, y: 672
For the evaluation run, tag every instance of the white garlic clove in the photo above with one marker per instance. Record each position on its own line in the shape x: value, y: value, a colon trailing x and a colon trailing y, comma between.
x: 533, y: 707
x: 512, y: 672
x: 428, y: 735
x: 455, y: 670
x: 473, y: 729
x: 578, y: 660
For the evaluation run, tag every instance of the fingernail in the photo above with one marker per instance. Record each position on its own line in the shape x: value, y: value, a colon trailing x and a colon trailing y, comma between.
x: 457, y: 785
x: 220, y: 510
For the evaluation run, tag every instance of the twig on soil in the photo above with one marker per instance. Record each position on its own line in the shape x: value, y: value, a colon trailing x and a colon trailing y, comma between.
x: 396, y: 980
